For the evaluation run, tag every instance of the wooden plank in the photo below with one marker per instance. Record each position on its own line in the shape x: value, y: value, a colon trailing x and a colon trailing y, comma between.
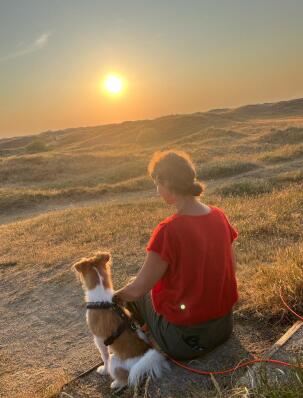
x: 286, y: 336
x: 249, y: 378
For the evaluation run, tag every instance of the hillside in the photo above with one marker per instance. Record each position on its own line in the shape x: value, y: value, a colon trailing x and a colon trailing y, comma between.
x: 251, y: 160
x: 85, y: 163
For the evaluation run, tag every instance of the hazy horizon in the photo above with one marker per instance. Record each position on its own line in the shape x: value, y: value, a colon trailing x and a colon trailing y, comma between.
x: 176, y: 57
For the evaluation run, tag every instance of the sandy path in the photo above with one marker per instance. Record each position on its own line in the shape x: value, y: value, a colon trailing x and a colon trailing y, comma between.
x: 62, y: 204
x: 179, y: 383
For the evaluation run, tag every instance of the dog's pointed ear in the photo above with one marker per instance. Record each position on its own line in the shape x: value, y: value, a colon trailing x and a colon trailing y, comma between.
x: 80, y: 265
x: 103, y: 257
x: 106, y: 257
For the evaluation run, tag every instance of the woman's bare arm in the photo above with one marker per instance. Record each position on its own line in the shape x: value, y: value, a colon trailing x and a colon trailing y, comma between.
x: 152, y: 270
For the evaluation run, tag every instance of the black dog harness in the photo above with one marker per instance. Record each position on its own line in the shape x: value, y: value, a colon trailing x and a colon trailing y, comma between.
x: 127, y: 322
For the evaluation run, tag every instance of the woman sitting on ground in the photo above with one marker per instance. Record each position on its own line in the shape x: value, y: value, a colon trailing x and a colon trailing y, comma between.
x: 186, y: 288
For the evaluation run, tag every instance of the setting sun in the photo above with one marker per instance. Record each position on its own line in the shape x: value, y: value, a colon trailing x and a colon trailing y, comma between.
x: 113, y: 84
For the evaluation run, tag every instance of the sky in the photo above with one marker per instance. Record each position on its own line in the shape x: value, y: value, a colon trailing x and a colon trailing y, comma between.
x: 175, y: 57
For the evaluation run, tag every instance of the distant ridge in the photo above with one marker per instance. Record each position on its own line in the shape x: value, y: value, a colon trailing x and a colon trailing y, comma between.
x: 274, y: 109
x: 159, y: 129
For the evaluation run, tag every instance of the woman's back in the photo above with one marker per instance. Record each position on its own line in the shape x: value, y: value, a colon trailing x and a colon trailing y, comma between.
x: 200, y: 283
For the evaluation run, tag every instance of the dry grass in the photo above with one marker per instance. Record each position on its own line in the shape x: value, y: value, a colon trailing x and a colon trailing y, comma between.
x: 85, y: 163
x: 289, y: 177
x: 25, y: 198
x: 257, y: 181
x: 283, y: 154
x: 285, y: 274
x: 266, y: 223
x: 66, y: 169
x: 289, y: 135
x: 266, y: 228
x: 246, y: 188
x: 63, y: 236
x: 48, y: 384
x: 269, y: 251
x: 224, y: 168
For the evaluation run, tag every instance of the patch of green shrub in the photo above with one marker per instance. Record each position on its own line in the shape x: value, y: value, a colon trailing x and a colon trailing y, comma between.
x: 36, y: 146
x: 246, y: 188
x: 224, y: 169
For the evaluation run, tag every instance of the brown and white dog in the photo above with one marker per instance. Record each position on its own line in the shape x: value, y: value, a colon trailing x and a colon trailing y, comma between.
x: 131, y: 357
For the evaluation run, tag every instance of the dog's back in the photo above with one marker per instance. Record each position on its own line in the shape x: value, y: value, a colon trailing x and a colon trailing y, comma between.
x: 103, y: 323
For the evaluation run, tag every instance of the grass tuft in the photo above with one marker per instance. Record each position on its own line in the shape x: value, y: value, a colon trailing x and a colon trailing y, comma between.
x: 283, y: 154
x: 290, y: 135
x: 262, y: 299
x: 289, y: 386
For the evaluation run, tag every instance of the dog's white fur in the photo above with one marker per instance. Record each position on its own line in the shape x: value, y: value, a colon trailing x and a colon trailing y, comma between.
x: 150, y: 363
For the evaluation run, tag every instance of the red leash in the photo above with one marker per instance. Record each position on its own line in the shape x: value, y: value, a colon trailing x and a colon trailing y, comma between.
x: 289, y: 309
x: 241, y: 365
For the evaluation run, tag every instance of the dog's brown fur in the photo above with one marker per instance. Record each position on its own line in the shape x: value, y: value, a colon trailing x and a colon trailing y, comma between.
x: 103, y: 323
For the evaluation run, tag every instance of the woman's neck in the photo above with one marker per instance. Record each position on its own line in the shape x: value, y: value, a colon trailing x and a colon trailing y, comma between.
x: 188, y: 204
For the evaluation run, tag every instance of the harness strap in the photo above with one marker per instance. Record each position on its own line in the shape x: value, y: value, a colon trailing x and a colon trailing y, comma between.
x: 127, y: 322
x: 123, y: 326
x: 102, y: 305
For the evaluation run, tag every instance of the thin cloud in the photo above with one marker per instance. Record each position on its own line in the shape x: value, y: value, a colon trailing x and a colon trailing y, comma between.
x: 38, y: 44
x: 42, y: 40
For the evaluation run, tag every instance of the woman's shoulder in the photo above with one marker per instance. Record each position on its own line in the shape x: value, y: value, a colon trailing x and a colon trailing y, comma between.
x: 161, y: 230
x: 217, y: 209
x: 165, y: 223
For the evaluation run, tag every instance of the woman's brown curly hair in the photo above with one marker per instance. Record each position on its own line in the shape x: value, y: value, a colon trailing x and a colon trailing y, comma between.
x: 176, y: 169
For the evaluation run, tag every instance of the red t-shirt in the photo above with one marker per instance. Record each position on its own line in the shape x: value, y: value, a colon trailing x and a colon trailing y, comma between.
x: 200, y: 283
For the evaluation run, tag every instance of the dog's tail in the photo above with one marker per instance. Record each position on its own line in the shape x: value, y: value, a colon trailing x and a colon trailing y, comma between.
x: 151, y: 364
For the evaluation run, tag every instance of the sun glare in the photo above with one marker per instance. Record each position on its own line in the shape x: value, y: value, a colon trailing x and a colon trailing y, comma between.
x: 113, y: 84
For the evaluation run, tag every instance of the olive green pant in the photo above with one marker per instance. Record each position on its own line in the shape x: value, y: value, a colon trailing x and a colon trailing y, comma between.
x: 182, y: 342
